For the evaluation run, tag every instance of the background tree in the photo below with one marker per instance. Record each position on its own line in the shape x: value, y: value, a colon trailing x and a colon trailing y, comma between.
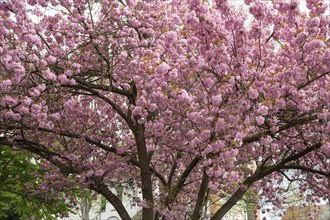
x: 177, y: 96
x: 18, y: 182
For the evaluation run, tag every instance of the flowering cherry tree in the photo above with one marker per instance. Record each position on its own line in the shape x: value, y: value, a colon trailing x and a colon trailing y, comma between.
x: 181, y: 99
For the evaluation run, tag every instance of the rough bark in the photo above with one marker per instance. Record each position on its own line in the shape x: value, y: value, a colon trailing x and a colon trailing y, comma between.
x: 147, y: 194
x: 201, y: 198
x: 113, y: 199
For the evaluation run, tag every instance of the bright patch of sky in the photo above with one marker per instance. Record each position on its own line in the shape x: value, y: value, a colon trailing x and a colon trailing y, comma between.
x: 302, y: 5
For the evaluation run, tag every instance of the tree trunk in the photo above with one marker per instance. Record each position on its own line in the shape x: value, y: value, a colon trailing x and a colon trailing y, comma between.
x: 201, y: 198
x: 238, y: 195
x: 85, y: 207
x: 147, y: 194
x: 251, y: 215
x: 251, y: 203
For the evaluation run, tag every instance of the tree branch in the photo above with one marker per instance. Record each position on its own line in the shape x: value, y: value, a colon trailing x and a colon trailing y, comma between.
x: 182, y: 179
x: 104, y: 88
x: 109, y: 101
x: 201, y: 198
x: 112, y: 198
x: 257, y: 175
x: 307, y: 169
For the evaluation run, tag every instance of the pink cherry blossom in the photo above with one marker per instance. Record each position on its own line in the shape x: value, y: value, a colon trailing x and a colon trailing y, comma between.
x: 49, y: 75
x: 6, y: 83
x: 253, y: 94
x: 263, y: 110
x: 216, y: 100
x: 34, y: 92
x: 51, y: 59
x: 162, y: 68
x: 185, y: 96
x: 260, y: 120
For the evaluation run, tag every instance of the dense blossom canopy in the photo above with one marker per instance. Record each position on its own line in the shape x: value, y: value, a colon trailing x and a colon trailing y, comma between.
x: 181, y: 99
